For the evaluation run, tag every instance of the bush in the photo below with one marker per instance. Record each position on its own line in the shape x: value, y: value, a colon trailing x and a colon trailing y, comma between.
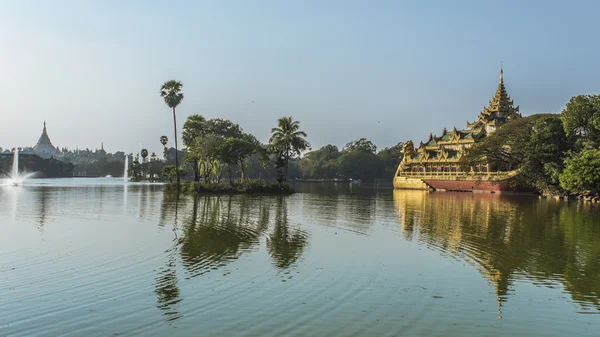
x: 243, y: 187
x: 169, y: 172
x: 582, y: 172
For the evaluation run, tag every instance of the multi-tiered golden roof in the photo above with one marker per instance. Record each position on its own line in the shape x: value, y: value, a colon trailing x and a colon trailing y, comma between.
x: 441, y: 154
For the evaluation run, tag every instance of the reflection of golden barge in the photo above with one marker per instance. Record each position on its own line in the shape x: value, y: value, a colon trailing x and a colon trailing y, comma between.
x: 436, y: 163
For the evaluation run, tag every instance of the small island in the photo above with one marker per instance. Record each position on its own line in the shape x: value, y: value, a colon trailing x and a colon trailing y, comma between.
x: 217, y: 147
x: 260, y: 187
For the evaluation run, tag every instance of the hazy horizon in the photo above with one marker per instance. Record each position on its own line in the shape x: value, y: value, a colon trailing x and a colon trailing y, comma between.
x: 345, y: 69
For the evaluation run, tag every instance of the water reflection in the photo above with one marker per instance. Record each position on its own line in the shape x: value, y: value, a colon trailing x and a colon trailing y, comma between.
x: 166, y: 287
x: 284, y: 244
x: 509, y: 238
x: 217, y: 230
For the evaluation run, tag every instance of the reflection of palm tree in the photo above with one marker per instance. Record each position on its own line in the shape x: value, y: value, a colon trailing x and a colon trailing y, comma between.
x: 166, y: 288
x: 220, y: 234
x: 285, y: 245
x: 166, y: 283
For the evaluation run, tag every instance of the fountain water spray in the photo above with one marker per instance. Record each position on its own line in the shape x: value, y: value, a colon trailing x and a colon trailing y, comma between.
x: 16, y: 178
x: 125, y: 174
x: 15, y: 169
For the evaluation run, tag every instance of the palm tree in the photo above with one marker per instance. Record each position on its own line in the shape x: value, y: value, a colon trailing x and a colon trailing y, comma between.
x: 164, y: 140
x: 171, y: 92
x: 144, y: 154
x: 287, y: 139
x: 144, y: 166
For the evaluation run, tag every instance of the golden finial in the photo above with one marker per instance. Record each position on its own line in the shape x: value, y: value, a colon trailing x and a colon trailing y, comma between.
x: 501, y: 71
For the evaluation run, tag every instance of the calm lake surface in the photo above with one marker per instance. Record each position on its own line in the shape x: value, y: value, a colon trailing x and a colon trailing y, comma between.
x: 98, y: 258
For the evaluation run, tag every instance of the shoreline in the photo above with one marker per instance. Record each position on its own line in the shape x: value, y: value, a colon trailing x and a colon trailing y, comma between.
x: 251, y: 187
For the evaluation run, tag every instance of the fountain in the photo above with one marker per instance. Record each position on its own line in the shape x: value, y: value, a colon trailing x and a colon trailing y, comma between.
x: 16, y: 178
x: 125, y: 174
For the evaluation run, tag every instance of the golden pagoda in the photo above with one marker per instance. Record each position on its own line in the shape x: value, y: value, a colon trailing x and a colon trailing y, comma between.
x: 435, y: 163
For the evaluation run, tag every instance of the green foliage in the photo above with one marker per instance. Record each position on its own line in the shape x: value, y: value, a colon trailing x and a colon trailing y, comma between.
x: 358, y: 160
x: 216, y: 143
x: 237, y: 151
x: 194, y: 126
x: 391, y: 157
x: 321, y: 163
x: 287, y: 140
x: 135, y: 171
x: 280, y: 164
x: 581, y: 119
x: 360, y: 164
x: 361, y: 145
x: 243, y: 187
x: 582, y: 172
x: 170, y: 172
x: 545, y: 152
x: 504, y: 149
x: 164, y: 140
x: 171, y: 92
x: 535, y: 145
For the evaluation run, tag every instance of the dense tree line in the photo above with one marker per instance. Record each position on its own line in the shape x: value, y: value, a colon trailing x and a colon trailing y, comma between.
x: 555, y: 153
x: 357, y: 160
x: 216, y: 150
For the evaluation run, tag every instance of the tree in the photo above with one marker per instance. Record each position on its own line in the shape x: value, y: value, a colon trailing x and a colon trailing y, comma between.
x: 171, y: 171
x: 194, y: 126
x: 535, y: 145
x: 361, y: 145
x: 581, y: 118
x: 320, y: 163
x: 360, y: 165
x: 153, y: 162
x: 236, y: 151
x: 288, y: 140
x: 171, y: 92
x: 391, y: 157
x: 144, y: 164
x: 164, y: 140
x: 506, y: 148
x: 582, y: 172
x: 206, y: 151
x: 545, y: 153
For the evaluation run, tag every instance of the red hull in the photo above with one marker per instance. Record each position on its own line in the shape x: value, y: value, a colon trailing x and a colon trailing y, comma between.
x: 473, y: 185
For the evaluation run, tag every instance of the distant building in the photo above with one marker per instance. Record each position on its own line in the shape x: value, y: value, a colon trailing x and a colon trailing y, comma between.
x: 44, y: 147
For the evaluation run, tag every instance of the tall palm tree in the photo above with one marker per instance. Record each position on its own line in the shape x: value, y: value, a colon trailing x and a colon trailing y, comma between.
x: 164, y: 140
x: 171, y: 92
x: 287, y: 139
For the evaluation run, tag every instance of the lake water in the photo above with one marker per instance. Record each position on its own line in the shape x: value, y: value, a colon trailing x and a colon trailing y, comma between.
x: 97, y: 258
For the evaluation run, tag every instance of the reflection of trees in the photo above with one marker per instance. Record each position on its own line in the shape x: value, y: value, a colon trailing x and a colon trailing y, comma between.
x: 216, y: 230
x: 170, y: 207
x: 43, y: 196
x: 167, y: 289
x: 544, y: 240
x: 219, y: 230
x: 285, y: 245
x: 166, y: 283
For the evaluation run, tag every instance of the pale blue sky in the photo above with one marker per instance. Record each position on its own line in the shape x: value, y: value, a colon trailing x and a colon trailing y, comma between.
x: 93, y: 69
